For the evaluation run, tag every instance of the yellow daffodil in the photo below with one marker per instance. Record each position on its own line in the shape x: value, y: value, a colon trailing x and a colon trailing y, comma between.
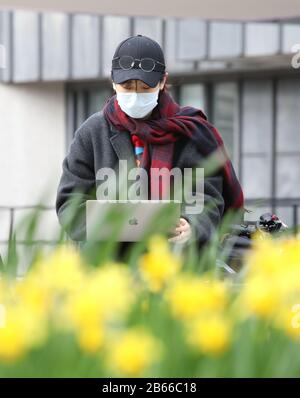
x: 132, y: 352
x: 260, y: 297
x: 12, y: 341
x: 22, y: 330
x: 210, y: 334
x: 288, y: 319
x: 107, y: 295
x: 31, y: 292
x: 159, y: 265
x: 62, y: 270
x: 272, y: 277
x: 189, y: 295
x: 90, y: 338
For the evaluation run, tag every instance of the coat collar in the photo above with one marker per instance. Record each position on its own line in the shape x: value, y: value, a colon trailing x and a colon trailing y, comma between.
x: 122, y: 145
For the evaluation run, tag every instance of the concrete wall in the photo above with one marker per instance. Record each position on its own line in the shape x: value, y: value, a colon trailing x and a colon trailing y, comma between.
x: 32, y: 147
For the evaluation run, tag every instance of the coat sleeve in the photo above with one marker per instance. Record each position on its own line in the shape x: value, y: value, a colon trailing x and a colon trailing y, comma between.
x: 76, y: 186
x: 205, y: 223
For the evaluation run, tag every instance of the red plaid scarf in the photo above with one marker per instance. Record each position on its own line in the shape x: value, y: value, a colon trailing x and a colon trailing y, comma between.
x: 167, y: 124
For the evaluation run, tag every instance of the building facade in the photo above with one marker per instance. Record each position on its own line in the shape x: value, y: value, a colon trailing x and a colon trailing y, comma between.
x: 55, y: 72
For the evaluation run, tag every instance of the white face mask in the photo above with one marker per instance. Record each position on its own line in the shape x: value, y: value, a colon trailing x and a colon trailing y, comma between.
x: 137, y: 105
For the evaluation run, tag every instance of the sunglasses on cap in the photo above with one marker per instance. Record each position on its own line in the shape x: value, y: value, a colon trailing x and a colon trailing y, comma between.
x: 127, y: 62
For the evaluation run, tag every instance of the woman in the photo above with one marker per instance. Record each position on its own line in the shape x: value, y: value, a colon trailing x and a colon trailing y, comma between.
x: 143, y: 116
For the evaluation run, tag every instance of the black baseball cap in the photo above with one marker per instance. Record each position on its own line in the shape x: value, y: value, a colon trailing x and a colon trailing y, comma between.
x: 139, y: 47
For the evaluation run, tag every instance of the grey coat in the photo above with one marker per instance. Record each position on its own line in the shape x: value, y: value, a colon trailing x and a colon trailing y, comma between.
x: 97, y: 144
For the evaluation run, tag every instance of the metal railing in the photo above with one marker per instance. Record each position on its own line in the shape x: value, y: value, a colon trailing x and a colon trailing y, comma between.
x: 12, y: 211
x: 271, y: 203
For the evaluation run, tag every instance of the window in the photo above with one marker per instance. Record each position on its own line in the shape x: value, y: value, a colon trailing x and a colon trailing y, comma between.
x: 288, y: 139
x: 193, y: 95
x: 225, y: 116
x: 291, y: 36
x: 225, y: 39
x: 191, y: 39
x: 262, y: 38
x: 257, y: 138
x: 82, y: 103
x: 96, y: 100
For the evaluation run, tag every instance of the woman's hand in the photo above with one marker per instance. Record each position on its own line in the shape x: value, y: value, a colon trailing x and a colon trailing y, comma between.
x: 183, y: 232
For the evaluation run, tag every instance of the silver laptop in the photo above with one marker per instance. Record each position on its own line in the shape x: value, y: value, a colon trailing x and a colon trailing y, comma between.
x: 130, y: 221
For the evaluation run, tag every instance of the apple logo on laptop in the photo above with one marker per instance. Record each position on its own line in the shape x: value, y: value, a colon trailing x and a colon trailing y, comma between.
x: 133, y: 221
